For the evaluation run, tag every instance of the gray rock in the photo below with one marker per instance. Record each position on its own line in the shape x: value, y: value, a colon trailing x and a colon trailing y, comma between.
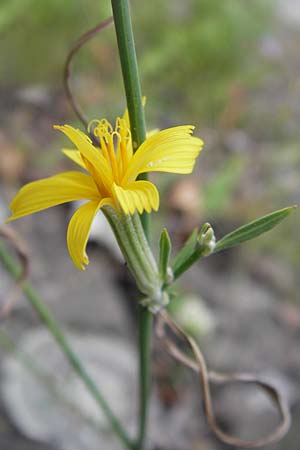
x: 48, y: 402
x: 289, y: 12
x: 90, y: 298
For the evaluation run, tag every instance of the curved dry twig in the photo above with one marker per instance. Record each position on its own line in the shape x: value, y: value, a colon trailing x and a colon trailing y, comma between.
x: 68, y: 66
x: 18, y: 244
x: 198, y: 364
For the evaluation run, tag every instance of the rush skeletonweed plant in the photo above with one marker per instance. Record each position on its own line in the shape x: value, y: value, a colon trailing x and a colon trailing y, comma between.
x: 109, y: 178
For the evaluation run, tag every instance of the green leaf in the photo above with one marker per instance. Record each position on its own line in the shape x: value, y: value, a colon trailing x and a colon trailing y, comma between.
x: 165, y: 247
x: 253, y: 229
x: 185, y: 252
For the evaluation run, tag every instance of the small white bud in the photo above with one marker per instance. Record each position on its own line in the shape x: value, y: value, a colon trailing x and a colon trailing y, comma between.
x: 206, y: 240
x: 169, y: 275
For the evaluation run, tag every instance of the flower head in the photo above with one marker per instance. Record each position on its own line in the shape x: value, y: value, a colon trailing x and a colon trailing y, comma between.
x: 110, y: 178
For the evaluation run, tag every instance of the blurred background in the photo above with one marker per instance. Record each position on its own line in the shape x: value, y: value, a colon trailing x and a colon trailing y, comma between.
x: 231, y: 68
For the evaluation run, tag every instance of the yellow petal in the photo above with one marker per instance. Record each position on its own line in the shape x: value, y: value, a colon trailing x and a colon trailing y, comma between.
x: 171, y: 150
x: 79, y: 230
x: 52, y: 191
x: 140, y: 195
x: 92, y: 154
x: 152, y: 132
x: 75, y: 156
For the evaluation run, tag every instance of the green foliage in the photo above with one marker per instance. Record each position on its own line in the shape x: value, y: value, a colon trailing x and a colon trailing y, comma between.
x: 198, y: 50
x: 202, y: 243
x: 185, y: 253
x: 253, y: 229
x: 218, y: 191
x: 191, y: 54
x: 36, y: 36
x: 165, y: 248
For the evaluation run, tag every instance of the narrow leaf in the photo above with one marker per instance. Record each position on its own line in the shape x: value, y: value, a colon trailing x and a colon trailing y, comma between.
x: 185, y: 252
x: 253, y: 229
x: 165, y: 251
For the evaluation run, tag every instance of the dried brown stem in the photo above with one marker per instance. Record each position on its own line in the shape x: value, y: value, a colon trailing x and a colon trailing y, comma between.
x: 68, y: 67
x: 198, y: 365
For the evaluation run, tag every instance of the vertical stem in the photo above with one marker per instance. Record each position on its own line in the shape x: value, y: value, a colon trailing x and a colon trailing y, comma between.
x: 127, y: 53
x: 130, y: 73
x: 145, y: 332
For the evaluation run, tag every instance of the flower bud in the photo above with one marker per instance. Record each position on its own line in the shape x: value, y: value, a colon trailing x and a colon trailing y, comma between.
x: 206, y: 240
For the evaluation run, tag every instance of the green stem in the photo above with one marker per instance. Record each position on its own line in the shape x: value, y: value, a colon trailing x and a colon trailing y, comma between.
x: 49, y: 320
x: 127, y: 53
x: 130, y: 73
x: 145, y: 334
x: 189, y: 262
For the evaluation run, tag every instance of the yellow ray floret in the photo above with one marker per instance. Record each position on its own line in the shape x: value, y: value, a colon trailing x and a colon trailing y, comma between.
x: 79, y: 230
x: 111, y: 175
x: 42, y: 194
x: 140, y: 195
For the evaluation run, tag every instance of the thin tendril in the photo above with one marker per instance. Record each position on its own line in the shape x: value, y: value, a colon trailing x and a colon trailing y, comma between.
x: 68, y: 67
x: 198, y: 364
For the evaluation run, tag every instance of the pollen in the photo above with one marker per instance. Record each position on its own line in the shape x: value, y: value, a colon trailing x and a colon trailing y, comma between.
x: 114, y: 144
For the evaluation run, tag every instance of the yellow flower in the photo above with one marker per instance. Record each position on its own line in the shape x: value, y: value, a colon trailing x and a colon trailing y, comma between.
x: 111, y: 179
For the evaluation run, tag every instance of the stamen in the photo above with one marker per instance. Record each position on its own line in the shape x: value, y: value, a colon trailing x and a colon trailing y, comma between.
x: 91, y: 123
x: 106, y: 125
x: 117, y: 135
x: 124, y: 134
x: 106, y: 134
x: 104, y: 148
x: 123, y: 151
x: 112, y: 157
